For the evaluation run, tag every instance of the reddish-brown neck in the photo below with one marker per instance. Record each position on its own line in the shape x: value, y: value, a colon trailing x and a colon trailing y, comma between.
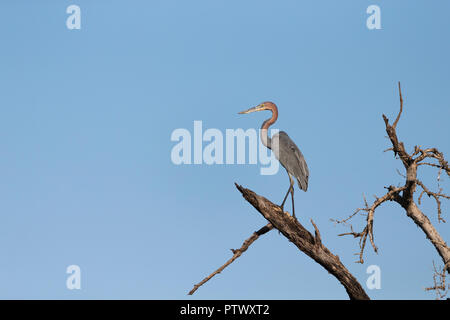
x: 266, y: 124
x: 272, y: 107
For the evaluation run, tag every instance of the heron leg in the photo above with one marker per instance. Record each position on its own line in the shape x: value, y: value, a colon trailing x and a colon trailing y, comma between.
x: 284, y: 200
x: 292, y: 196
x: 291, y: 187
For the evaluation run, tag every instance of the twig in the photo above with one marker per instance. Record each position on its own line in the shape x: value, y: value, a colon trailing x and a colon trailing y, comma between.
x: 440, y: 286
x: 401, y: 106
x: 435, y: 195
x: 368, y: 229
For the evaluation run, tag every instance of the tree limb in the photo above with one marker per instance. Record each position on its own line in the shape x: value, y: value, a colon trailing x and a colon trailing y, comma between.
x: 309, y: 244
x: 405, y: 195
x: 392, y: 193
x: 236, y: 254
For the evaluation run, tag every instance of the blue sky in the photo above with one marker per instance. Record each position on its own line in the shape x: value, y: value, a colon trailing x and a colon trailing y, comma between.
x: 86, y: 117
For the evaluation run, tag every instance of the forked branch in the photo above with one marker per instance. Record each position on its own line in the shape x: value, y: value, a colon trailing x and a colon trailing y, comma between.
x: 404, y: 195
x: 392, y: 193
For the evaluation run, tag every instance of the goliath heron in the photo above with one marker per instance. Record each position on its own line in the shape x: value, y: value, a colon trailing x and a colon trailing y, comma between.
x: 285, y: 150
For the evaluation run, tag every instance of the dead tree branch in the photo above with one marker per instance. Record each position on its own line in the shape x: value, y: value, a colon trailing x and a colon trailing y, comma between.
x: 440, y: 286
x: 368, y: 229
x: 236, y: 254
x: 404, y: 195
x: 309, y: 244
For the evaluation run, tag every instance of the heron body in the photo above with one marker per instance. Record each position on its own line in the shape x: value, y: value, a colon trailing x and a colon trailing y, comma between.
x: 291, y: 158
x: 285, y: 150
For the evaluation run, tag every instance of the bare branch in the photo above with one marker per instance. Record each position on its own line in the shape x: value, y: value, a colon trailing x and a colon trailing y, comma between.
x: 431, y: 165
x: 406, y: 200
x: 401, y: 106
x: 435, y: 195
x: 318, y: 238
x: 405, y: 195
x: 311, y: 245
x: 433, y: 153
x: 392, y: 193
x: 236, y: 254
x: 440, y: 286
x: 344, y: 221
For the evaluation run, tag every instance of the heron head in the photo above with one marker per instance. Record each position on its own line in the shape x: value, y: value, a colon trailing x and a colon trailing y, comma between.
x: 259, y: 107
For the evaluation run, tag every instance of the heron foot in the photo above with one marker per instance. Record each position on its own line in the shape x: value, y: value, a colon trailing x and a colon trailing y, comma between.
x: 293, y: 210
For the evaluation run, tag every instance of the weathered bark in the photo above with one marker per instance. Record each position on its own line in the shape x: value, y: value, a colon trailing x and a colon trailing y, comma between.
x: 311, y: 245
x: 430, y: 231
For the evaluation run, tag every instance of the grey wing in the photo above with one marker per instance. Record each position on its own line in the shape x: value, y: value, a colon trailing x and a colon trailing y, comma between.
x: 292, y: 159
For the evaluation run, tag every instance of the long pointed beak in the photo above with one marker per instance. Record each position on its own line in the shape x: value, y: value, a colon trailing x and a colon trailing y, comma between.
x: 253, y: 109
